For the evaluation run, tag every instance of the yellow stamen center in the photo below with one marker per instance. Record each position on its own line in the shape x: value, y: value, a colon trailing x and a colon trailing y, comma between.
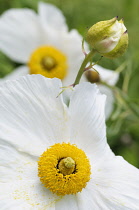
x: 64, y: 169
x: 66, y: 166
x: 49, y: 62
x: 92, y: 76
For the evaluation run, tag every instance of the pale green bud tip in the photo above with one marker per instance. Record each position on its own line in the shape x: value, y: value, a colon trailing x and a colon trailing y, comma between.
x: 109, y: 37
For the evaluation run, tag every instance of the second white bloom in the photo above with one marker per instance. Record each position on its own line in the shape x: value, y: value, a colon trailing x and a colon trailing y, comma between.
x: 42, y: 42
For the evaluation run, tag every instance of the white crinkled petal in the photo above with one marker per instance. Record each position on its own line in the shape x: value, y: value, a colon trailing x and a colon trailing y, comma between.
x: 68, y: 202
x: 109, y: 99
x: 107, y: 75
x: 15, y: 165
x: 20, y: 187
x: 89, y: 198
x: 20, y: 34
x: 114, y: 186
x: 32, y: 116
x: 52, y: 17
x: 26, y: 194
x: 87, y: 123
x: 18, y: 72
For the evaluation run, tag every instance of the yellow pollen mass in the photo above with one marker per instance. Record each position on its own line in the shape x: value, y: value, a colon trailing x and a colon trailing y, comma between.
x: 69, y: 162
x: 49, y: 62
x: 66, y: 166
x: 64, y: 169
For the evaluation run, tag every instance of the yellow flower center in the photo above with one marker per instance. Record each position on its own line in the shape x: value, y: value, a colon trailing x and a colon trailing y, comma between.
x: 49, y: 62
x: 64, y: 169
x: 92, y: 76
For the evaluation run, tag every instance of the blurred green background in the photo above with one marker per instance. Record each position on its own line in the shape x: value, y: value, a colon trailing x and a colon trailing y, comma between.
x: 123, y: 126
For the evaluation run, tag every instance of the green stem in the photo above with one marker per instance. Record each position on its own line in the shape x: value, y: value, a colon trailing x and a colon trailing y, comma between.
x: 88, y: 58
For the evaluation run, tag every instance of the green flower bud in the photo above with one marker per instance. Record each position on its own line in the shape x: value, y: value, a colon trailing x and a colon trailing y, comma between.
x: 109, y: 38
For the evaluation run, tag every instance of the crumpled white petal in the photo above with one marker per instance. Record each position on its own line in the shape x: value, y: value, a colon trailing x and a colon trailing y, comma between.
x: 51, y: 17
x: 20, y: 187
x: 68, y: 202
x: 114, y: 186
x: 35, y: 115
x: 109, y: 77
x: 20, y: 33
x: 26, y: 194
x: 109, y: 99
x: 15, y: 165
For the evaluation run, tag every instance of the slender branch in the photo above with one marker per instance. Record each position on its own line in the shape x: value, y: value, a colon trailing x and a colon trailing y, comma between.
x: 88, y: 58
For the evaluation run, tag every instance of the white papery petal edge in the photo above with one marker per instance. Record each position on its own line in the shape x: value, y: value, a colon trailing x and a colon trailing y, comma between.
x: 68, y: 202
x: 31, y: 113
x: 20, y: 34
x: 19, y: 183
x: 52, y: 17
x: 114, y: 186
x: 109, y: 100
x: 27, y: 194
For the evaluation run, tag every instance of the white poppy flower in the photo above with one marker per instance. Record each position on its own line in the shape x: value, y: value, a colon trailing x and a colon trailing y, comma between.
x: 34, y: 121
x: 41, y: 42
x: 109, y: 77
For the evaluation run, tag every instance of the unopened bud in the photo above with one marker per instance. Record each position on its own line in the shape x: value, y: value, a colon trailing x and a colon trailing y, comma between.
x: 109, y: 38
x: 92, y: 76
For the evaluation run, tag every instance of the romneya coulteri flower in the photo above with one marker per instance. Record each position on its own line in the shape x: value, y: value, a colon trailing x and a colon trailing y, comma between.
x: 41, y: 42
x: 57, y: 157
x: 109, y: 38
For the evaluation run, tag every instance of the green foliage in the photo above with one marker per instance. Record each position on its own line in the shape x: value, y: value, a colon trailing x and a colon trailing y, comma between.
x: 123, y: 126
x: 6, y: 65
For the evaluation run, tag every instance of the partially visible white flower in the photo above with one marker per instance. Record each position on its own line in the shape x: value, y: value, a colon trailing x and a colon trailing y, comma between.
x: 41, y: 42
x: 109, y: 77
x: 33, y: 119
